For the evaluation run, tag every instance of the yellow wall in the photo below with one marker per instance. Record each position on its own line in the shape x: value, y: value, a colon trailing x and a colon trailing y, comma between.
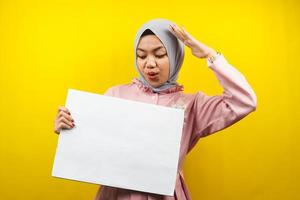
x: 47, y: 47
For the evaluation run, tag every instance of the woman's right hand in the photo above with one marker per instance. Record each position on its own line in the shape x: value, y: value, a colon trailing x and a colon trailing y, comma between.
x: 63, y: 120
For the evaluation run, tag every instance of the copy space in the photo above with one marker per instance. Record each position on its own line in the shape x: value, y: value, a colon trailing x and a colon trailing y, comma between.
x: 120, y: 143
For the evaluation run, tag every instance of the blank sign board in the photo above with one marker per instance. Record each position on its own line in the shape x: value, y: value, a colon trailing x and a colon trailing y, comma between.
x: 120, y: 143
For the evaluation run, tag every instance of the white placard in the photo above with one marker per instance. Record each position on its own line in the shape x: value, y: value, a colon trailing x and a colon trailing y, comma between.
x: 120, y: 143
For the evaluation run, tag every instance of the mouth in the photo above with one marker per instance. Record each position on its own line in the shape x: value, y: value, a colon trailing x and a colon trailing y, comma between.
x: 152, y: 75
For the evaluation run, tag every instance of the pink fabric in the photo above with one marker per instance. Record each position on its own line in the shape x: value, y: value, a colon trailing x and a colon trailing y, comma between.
x: 204, y: 115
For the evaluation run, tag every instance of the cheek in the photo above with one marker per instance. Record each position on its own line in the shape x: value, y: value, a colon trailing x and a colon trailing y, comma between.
x: 140, y: 65
x: 165, y: 68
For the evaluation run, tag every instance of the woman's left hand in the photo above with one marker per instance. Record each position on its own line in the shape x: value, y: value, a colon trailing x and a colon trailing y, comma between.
x: 198, y: 49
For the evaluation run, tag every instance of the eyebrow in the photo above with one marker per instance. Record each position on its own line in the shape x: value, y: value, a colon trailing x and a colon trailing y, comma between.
x: 157, y: 48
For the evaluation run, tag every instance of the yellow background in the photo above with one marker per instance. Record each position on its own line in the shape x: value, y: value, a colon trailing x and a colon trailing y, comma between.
x: 47, y: 47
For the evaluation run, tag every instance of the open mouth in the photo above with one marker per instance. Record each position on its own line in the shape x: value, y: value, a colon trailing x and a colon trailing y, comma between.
x: 152, y: 75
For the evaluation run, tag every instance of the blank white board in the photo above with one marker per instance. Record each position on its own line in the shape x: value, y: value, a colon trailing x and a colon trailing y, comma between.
x: 120, y: 143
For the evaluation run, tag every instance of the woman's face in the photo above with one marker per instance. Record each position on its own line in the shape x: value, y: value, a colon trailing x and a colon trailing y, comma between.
x: 152, y: 60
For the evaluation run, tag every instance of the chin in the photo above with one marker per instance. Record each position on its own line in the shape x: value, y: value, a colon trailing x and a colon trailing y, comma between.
x: 155, y: 85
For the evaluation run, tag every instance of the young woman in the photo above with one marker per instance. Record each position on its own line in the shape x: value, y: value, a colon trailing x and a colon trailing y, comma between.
x: 159, y: 52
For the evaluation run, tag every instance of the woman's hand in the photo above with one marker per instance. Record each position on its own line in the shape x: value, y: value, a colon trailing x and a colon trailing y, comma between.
x: 198, y: 49
x: 63, y: 120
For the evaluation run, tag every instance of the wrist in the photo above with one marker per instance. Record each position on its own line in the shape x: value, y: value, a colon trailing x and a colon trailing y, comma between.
x: 214, y: 57
x: 211, y: 53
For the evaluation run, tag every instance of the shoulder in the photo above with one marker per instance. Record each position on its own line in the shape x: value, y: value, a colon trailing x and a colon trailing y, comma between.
x: 116, y: 90
x: 194, y: 96
x: 191, y: 100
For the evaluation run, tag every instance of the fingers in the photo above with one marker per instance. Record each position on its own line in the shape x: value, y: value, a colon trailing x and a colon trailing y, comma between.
x: 65, y: 115
x: 62, y: 125
x: 179, y: 32
x: 63, y: 119
x: 64, y: 109
x: 185, y: 33
x: 66, y: 121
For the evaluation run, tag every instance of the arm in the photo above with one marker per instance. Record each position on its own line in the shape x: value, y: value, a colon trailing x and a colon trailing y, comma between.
x: 214, y: 113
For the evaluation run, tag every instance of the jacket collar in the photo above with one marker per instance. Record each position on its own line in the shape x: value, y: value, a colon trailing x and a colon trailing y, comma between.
x: 145, y: 88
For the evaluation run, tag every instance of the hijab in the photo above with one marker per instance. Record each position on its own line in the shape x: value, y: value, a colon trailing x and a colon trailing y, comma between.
x: 174, y: 47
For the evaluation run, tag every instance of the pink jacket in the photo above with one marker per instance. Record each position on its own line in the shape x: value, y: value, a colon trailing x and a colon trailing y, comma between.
x: 204, y: 115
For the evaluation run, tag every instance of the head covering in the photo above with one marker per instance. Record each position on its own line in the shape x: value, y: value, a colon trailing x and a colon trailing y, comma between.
x: 174, y: 47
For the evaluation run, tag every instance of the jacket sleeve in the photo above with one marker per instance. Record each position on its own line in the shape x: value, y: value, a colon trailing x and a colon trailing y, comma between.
x: 109, y: 92
x: 213, y: 113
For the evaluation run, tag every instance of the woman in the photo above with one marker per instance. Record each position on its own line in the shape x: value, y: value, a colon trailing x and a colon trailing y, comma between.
x: 159, y: 53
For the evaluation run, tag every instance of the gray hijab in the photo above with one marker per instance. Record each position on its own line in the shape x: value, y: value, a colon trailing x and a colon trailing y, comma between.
x: 174, y: 47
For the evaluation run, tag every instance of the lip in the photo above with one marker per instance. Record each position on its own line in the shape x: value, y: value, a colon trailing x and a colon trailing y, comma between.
x: 152, y: 75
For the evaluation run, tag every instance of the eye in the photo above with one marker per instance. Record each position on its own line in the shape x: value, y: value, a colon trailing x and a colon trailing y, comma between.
x: 142, y: 57
x: 161, y: 56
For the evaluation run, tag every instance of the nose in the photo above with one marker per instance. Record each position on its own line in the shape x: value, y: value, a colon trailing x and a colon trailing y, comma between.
x: 150, y: 62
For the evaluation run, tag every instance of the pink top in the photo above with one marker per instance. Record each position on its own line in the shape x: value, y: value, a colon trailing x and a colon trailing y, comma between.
x: 204, y: 115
